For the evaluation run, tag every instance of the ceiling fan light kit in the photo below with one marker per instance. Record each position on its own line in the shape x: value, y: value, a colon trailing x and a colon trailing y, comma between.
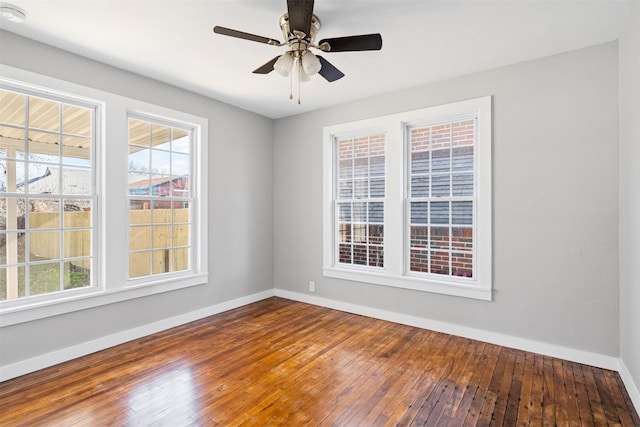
x: 299, y: 28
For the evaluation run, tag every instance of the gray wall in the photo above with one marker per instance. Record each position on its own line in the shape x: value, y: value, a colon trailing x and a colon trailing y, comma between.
x: 240, y: 205
x: 630, y: 195
x: 555, y: 207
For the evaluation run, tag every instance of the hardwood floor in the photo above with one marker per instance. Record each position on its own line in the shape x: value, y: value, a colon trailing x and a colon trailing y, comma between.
x: 280, y: 362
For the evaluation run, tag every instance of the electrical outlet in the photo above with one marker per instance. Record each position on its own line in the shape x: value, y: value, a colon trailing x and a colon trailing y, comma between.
x: 312, y: 286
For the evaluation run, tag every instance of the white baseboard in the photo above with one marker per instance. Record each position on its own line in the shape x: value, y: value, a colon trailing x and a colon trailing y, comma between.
x: 632, y: 387
x: 580, y: 356
x: 49, y: 359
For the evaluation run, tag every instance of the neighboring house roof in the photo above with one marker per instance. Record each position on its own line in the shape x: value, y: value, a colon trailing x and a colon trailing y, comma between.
x: 75, y: 181
x: 159, y: 186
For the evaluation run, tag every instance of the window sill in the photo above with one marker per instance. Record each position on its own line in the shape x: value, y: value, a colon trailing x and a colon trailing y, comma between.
x: 408, y: 282
x: 89, y: 299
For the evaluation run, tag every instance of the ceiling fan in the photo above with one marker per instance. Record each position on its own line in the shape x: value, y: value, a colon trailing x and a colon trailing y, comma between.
x: 299, y: 27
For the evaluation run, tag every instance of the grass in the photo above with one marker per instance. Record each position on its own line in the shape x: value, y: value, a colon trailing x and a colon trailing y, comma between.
x: 44, y: 278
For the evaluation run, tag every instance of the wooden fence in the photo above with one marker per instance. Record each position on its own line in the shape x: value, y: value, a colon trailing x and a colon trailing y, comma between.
x: 161, y: 242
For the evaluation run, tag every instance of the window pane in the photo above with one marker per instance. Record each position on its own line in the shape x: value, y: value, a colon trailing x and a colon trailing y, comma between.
x: 419, y: 260
x: 76, y: 151
x: 420, y: 162
x: 44, y: 114
x: 462, y: 159
x: 361, y: 167
x: 160, y: 137
x: 180, y: 259
x: 77, y: 213
x: 13, y: 137
x: 77, y: 274
x: 161, y: 261
x: 76, y: 120
x: 44, y: 278
x: 439, y: 262
x: 140, y: 212
x: 439, y: 238
x: 12, y: 108
x: 344, y: 210
x: 376, y: 256
x: 441, y: 136
x: 359, y: 212
x: 139, y: 238
x: 77, y: 243
x: 181, y: 235
x: 346, y: 189
x: 77, y: 181
x: 419, y: 186
x: 440, y: 186
x: 462, y: 264
x: 345, y: 168
x: 181, y: 141
x: 462, y: 184
x: 419, y: 237
x: 462, y: 238
x: 44, y: 245
x: 139, y: 133
x: 160, y: 162
x: 12, y: 282
x: 360, y: 254
x: 180, y: 164
x: 161, y: 236
x: 344, y: 233
x: 12, y: 248
x: 440, y: 212
x: 377, y: 187
x: 44, y: 147
x: 419, y: 213
x: 43, y: 179
x: 139, y: 264
x: 377, y: 166
x: 440, y: 161
x: 462, y: 212
x: 376, y: 212
x: 344, y: 254
x: 361, y: 189
x: 359, y: 233
x: 180, y: 186
x: 376, y: 234
x: 44, y: 213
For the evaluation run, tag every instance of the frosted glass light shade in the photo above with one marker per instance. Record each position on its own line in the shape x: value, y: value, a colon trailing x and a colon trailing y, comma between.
x: 310, y: 63
x: 284, y: 64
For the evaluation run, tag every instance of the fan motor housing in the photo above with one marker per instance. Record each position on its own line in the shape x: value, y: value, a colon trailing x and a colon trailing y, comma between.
x: 291, y: 37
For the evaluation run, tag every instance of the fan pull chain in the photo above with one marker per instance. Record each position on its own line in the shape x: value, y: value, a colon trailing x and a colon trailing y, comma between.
x: 299, y: 71
x: 291, y: 84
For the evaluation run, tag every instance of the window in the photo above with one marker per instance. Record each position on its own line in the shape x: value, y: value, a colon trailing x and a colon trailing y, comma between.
x: 407, y: 200
x: 47, y: 194
x: 360, y: 200
x: 87, y: 176
x: 159, y: 197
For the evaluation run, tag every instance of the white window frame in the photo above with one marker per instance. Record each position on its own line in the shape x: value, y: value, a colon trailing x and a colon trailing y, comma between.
x: 395, y: 272
x: 112, y: 205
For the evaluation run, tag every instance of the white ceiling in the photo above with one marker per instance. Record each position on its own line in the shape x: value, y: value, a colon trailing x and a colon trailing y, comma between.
x: 423, y: 41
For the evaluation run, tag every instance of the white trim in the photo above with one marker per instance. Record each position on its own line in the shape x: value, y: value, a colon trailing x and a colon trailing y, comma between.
x: 43, y: 361
x: 632, y: 388
x: 553, y: 350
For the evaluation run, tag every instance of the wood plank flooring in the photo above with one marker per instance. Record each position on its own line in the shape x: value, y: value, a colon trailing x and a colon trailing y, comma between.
x: 280, y: 362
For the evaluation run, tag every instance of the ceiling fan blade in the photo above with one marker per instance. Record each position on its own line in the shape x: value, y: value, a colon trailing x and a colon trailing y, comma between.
x: 354, y: 43
x: 300, y: 12
x: 242, y: 35
x: 328, y: 71
x: 266, y: 68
